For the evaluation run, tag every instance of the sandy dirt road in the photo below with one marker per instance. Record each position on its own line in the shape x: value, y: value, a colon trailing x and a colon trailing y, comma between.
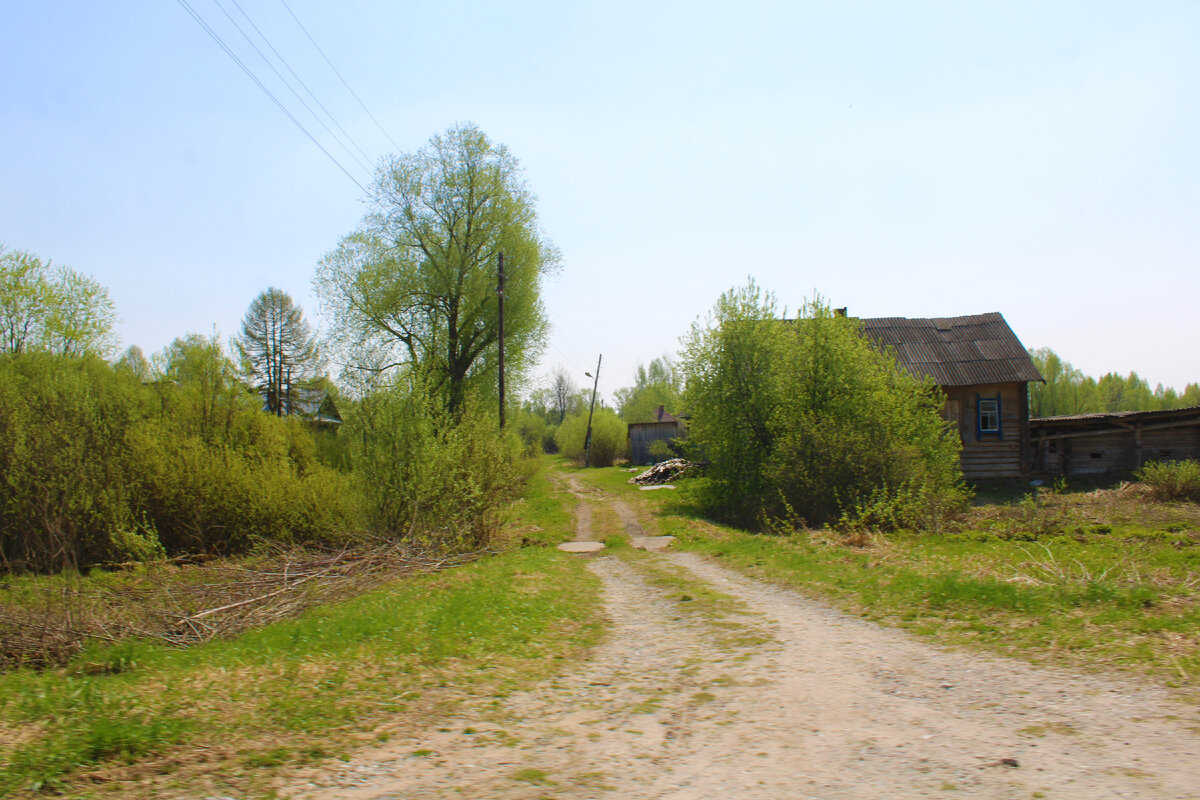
x: 779, y: 696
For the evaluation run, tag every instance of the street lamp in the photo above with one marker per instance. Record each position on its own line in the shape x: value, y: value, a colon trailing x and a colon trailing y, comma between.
x: 587, y: 442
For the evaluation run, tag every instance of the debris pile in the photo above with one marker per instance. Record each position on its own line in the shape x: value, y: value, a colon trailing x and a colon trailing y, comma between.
x: 664, y: 472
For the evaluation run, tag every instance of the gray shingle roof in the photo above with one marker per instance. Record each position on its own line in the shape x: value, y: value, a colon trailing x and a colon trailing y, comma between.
x: 955, y: 351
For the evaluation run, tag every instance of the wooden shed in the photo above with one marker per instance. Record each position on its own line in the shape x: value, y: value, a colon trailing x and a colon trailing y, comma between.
x: 664, y: 427
x: 985, y: 372
x: 1120, y: 441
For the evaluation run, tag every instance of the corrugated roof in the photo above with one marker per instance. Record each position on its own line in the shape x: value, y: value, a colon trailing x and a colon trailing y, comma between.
x: 955, y: 351
x: 1117, y: 417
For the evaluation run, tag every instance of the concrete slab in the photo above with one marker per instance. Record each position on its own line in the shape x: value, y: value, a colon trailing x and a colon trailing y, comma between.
x: 581, y: 547
x: 651, y: 542
x: 659, y: 486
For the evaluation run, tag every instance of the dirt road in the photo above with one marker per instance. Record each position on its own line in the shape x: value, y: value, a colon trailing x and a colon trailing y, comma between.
x: 769, y: 695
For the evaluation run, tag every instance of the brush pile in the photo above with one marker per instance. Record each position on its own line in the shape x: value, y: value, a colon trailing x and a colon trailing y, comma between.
x: 664, y: 472
x: 45, y: 622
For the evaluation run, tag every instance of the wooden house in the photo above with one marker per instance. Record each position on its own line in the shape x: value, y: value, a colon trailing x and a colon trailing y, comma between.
x: 664, y: 427
x: 1120, y: 441
x: 984, y: 371
x: 314, y: 405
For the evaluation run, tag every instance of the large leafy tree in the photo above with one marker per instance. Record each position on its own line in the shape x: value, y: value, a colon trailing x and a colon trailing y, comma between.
x: 805, y: 420
x: 415, y: 283
x: 278, y: 347
x: 658, y: 384
x: 52, y: 308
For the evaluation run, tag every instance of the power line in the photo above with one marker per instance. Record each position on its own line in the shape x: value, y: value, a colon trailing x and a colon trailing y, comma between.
x: 249, y: 74
x: 306, y: 88
x: 284, y: 80
x: 335, y: 72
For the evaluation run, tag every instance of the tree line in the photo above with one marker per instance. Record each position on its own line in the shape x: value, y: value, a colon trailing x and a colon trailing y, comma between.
x: 1068, y: 391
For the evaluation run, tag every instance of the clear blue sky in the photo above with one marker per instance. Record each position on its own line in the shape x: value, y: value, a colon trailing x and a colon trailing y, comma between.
x: 902, y: 159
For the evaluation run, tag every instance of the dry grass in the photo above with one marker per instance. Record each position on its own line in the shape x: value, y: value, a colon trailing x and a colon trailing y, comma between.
x: 47, y: 621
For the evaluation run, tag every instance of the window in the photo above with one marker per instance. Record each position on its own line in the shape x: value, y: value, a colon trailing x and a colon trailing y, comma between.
x: 989, y: 416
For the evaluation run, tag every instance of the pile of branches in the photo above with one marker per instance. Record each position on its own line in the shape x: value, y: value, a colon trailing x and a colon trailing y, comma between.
x: 664, y: 472
x: 45, y: 623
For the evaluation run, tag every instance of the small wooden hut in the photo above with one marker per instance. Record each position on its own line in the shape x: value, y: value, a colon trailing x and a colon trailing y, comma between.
x: 663, y: 427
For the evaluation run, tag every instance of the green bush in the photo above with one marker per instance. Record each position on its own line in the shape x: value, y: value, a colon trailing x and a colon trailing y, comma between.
x: 610, y: 437
x: 533, y: 431
x: 221, y: 499
x: 96, y: 467
x: 428, y: 474
x: 805, y: 421
x: 64, y: 466
x: 1172, y: 480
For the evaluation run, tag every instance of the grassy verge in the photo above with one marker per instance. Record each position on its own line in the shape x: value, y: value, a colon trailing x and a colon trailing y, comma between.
x: 219, y: 717
x: 1102, y: 578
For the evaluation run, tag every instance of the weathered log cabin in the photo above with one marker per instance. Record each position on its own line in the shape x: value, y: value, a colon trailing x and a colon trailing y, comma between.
x: 664, y: 427
x: 1119, y: 441
x: 984, y: 371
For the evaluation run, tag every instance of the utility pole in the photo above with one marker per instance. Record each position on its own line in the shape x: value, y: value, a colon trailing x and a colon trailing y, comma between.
x: 587, y: 442
x: 500, y: 292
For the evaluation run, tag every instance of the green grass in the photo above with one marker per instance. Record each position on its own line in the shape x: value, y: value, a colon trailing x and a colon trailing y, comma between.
x: 1093, y: 578
x: 543, y: 515
x: 282, y: 694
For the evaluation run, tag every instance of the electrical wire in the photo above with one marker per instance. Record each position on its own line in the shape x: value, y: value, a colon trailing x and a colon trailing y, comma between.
x: 250, y: 74
x: 307, y: 90
x: 362, y: 165
x: 343, y: 80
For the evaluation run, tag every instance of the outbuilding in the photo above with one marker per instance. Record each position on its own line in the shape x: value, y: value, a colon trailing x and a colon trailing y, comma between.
x: 664, y: 427
x: 1113, y: 442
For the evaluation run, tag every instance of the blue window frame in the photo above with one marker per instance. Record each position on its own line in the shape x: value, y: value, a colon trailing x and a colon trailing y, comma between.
x: 987, y: 417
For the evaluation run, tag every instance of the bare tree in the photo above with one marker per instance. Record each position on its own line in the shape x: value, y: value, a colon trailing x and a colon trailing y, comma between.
x: 564, y: 392
x: 278, y: 347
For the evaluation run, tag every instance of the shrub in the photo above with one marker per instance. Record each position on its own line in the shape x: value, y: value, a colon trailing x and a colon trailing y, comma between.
x: 428, y: 474
x: 806, y: 421
x: 532, y: 429
x: 1172, y: 480
x: 96, y: 467
x: 63, y: 460
x: 610, y: 437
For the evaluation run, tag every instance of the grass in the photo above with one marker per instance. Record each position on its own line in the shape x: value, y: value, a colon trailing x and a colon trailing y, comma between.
x: 224, y: 714
x: 1103, y: 578
x: 541, y: 517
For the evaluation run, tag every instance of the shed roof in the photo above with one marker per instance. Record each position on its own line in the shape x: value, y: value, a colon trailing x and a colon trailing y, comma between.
x: 955, y: 351
x: 1123, y: 419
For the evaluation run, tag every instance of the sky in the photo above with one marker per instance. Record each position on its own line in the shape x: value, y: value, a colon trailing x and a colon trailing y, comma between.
x: 912, y: 159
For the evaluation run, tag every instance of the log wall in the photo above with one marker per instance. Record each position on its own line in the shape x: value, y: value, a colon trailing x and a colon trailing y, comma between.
x: 1095, y: 444
x: 990, y: 456
x: 642, y: 434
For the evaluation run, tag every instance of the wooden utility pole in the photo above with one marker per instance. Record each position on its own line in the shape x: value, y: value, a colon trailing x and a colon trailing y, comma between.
x: 500, y: 292
x: 587, y: 442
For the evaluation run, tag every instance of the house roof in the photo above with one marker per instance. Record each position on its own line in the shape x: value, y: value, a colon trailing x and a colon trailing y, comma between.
x: 955, y: 351
x: 314, y: 404
x: 660, y: 415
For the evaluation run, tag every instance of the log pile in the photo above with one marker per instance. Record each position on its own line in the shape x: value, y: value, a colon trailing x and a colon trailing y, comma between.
x: 664, y: 472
